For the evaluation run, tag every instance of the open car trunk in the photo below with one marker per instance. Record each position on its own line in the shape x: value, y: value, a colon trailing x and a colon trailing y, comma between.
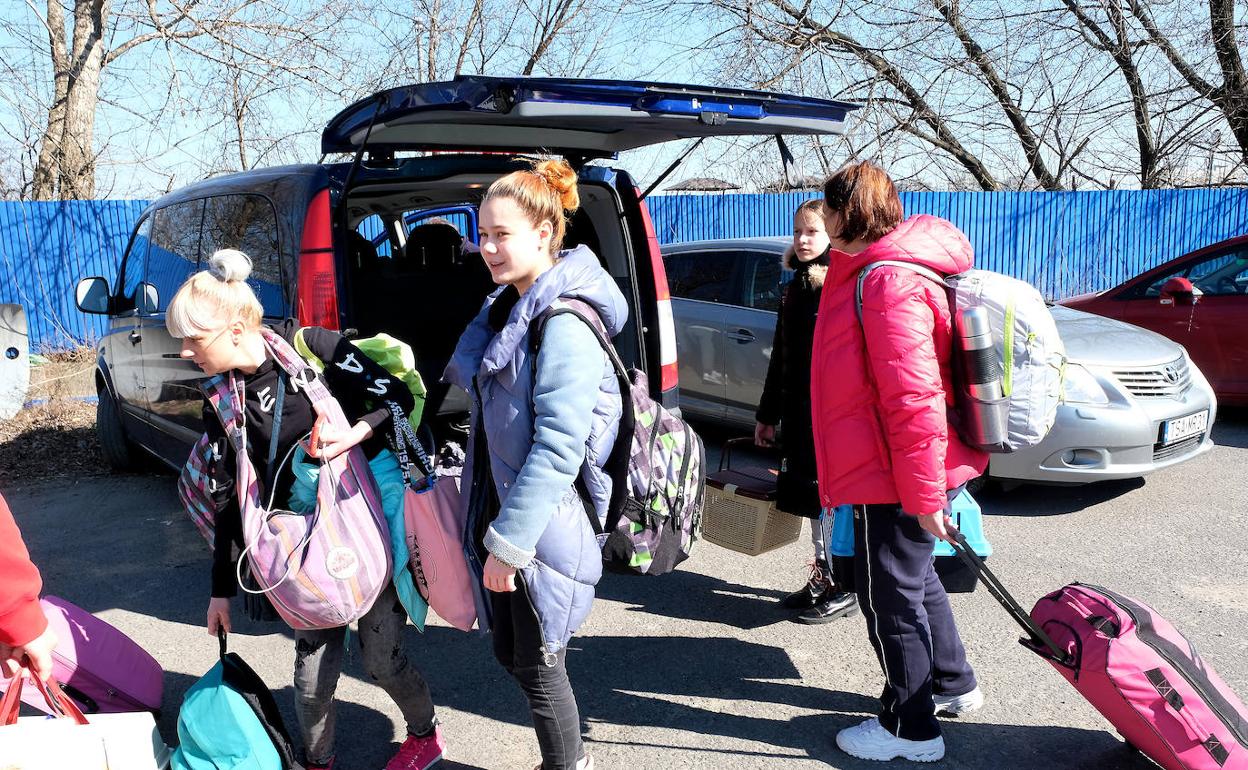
x: 420, y: 284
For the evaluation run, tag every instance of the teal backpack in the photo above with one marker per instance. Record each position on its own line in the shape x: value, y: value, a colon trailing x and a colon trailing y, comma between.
x: 229, y: 721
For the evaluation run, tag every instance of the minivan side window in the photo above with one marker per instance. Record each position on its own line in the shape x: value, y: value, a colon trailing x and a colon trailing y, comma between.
x: 248, y: 223
x: 132, y: 270
x: 173, y: 253
x: 371, y: 227
x: 701, y: 275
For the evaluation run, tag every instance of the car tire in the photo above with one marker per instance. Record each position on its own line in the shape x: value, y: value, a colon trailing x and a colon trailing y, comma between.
x: 120, y: 454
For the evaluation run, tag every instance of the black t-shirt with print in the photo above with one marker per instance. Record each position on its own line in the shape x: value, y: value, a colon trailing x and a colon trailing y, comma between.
x: 355, y: 380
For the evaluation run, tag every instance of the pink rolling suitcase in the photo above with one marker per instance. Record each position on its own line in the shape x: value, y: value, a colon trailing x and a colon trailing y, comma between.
x: 1136, y: 669
x: 101, y: 668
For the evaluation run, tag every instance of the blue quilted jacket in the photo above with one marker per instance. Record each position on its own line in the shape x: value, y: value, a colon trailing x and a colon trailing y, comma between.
x: 531, y: 439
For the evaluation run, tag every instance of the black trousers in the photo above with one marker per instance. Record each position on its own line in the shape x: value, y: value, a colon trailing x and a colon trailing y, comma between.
x: 909, y: 620
x: 542, y: 677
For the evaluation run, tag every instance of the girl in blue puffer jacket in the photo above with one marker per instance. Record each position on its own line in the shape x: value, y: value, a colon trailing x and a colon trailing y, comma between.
x: 535, y: 430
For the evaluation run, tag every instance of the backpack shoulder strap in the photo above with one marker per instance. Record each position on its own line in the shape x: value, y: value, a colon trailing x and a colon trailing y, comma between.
x: 587, y: 314
x: 217, y: 391
x: 616, y: 466
x: 926, y: 272
x: 295, y: 366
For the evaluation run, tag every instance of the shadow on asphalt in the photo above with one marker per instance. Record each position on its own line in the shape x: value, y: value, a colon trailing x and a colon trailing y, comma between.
x: 718, y: 601
x: 1040, y: 500
x: 1231, y: 428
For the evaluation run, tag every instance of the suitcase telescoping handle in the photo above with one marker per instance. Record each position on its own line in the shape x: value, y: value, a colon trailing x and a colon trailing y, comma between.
x: 1039, y: 639
x: 725, y: 456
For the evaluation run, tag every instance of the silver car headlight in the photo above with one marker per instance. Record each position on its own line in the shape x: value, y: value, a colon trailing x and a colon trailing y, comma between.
x: 1080, y: 387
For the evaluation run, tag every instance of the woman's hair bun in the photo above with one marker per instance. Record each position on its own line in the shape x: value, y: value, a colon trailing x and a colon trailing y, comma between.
x: 229, y: 265
x: 562, y: 179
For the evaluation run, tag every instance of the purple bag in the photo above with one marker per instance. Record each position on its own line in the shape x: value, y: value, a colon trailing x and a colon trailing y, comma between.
x: 99, y: 667
x: 323, y: 569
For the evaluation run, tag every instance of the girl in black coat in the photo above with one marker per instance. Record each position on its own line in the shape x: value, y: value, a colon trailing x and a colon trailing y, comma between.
x: 786, y: 401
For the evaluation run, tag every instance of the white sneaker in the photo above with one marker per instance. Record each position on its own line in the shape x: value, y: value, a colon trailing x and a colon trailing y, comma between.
x: 957, y: 705
x: 584, y: 763
x: 869, y: 740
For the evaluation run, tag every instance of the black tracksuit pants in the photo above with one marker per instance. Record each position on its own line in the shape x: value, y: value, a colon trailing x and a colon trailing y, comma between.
x: 909, y: 620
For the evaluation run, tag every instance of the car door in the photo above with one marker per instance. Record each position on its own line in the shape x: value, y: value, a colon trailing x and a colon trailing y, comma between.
x: 123, y: 344
x: 748, y: 338
x: 172, y: 397
x: 248, y: 223
x: 703, y: 286
x: 1211, y: 329
x: 1217, y: 339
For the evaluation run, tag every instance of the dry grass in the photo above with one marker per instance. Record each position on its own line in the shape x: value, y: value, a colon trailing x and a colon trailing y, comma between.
x: 64, y: 374
x: 56, y: 439
x: 81, y: 355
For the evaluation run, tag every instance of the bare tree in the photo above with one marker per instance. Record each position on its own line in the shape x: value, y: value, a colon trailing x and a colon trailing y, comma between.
x: 80, y: 56
x: 802, y: 35
x: 1001, y: 91
x: 1230, y: 93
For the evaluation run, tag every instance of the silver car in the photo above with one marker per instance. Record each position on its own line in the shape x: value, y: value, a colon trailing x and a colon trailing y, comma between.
x: 1134, y: 402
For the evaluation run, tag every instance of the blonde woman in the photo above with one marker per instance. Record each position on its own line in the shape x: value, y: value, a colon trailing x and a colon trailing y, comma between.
x: 217, y: 316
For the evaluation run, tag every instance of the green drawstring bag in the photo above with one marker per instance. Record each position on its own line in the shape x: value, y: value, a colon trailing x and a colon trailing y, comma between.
x: 394, y: 355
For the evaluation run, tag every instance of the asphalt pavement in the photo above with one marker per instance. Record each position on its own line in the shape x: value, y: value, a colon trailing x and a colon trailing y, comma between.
x: 700, y: 668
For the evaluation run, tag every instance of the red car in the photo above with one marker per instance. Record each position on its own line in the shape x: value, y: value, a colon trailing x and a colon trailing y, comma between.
x: 1199, y: 300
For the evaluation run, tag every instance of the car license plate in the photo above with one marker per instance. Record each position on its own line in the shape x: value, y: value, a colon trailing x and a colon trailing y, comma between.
x: 1184, y: 427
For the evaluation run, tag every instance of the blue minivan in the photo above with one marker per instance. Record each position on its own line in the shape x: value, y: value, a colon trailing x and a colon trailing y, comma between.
x: 365, y: 245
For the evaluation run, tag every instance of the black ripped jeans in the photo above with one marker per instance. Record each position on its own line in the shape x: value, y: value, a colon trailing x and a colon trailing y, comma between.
x: 318, y: 664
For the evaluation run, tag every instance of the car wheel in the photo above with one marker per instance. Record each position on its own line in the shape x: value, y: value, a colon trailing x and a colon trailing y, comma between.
x: 121, y: 455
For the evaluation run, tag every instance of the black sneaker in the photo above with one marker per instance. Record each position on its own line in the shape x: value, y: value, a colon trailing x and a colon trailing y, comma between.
x: 809, y: 595
x: 835, y: 604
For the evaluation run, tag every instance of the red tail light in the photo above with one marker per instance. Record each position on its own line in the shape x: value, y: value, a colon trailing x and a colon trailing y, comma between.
x: 317, y: 298
x: 669, y: 371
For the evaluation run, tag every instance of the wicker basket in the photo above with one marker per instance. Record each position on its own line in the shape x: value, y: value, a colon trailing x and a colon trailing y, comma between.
x: 740, y: 512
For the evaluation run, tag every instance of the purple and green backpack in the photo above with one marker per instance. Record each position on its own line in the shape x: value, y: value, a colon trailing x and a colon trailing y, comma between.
x: 658, y: 476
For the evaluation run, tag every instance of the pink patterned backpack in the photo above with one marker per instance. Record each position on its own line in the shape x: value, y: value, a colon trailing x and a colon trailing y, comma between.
x: 322, y: 569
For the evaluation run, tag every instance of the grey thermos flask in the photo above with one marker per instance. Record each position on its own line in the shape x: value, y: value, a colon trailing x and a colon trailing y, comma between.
x: 987, y: 406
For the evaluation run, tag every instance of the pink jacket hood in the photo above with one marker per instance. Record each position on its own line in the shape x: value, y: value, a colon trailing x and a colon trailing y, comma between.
x: 924, y: 239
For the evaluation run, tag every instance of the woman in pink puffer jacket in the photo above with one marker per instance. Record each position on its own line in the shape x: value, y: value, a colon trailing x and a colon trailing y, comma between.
x: 880, y: 390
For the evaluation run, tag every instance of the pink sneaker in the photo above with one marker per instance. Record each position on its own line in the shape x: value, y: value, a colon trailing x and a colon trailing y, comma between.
x: 419, y: 753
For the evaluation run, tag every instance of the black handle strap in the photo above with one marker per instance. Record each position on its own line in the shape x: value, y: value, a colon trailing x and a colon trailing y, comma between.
x: 1039, y: 639
x: 725, y: 456
x: 221, y: 640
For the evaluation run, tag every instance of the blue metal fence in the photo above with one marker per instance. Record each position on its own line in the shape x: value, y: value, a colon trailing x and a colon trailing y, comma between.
x: 45, y: 248
x: 1064, y: 243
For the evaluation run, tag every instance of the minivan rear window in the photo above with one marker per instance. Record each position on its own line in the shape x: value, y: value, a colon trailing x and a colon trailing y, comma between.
x: 248, y: 223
